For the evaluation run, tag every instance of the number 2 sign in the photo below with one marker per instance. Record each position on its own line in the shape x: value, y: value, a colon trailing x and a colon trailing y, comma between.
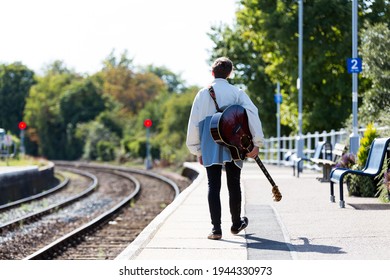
x: 354, y: 65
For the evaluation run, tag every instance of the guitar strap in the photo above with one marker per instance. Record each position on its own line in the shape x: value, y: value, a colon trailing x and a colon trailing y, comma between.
x: 212, y: 94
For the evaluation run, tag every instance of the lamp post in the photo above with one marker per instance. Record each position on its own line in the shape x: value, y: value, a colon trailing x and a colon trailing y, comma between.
x: 355, y: 63
x: 300, y: 82
x: 278, y: 101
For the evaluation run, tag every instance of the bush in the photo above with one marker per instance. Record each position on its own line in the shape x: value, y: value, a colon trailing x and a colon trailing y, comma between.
x: 365, y: 143
x: 363, y: 185
x: 346, y: 161
x: 384, y: 184
x: 360, y: 185
x: 136, y: 148
x: 91, y: 134
x: 105, y: 151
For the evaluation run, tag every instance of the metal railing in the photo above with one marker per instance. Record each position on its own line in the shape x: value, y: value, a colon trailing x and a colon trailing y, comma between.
x: 273, y: 153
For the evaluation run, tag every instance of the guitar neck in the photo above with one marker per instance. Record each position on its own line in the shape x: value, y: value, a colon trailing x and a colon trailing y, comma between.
x: 265, y: 171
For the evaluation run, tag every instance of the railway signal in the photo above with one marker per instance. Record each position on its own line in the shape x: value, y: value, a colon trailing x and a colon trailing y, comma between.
x: 148, y: 124
x: 22, y: 126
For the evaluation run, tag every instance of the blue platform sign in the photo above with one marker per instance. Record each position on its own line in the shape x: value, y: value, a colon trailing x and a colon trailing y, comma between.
x: 354, y: 65
x: 278, y: 98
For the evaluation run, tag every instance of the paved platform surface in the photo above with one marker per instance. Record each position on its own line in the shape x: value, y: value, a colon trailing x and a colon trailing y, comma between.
x: 9, y: 170
x: 304, y: 225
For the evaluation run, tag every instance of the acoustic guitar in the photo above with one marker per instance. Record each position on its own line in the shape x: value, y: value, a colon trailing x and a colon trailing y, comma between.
x: 230, y: 128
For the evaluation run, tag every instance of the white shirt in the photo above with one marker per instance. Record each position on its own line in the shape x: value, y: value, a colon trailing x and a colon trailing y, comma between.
x: 203, y: 107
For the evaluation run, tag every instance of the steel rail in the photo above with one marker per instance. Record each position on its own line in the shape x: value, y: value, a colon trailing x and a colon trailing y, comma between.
x: 124, y: 169
x: 91, y: 187
x: 62, y: 184
x: 76, y: 235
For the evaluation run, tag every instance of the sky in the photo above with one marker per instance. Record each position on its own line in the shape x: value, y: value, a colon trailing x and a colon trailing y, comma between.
x: 82, y: 33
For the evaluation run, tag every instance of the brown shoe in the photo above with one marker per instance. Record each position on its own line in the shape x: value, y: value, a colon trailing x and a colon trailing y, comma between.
x: 215, y: 235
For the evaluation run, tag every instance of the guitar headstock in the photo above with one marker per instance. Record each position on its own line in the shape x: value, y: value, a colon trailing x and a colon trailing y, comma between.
x: 276, y: 193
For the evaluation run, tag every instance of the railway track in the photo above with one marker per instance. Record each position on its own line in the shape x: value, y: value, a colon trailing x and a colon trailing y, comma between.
x: 63, y: 183
x: 25, y: 214
x: 106, y: 234
x: 17, y: 242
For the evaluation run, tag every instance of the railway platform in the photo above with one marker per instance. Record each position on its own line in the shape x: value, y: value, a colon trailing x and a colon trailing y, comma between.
x: 304, y: 225
x: 10, y: 170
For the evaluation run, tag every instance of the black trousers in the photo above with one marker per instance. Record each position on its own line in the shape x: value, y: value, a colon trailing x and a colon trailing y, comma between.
x: 233, y: 176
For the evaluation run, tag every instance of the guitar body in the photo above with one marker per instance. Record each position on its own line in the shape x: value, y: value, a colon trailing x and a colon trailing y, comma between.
x: 230, y: 128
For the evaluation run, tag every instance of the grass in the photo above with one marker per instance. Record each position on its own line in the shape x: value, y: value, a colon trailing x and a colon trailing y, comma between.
x: 23, y: 161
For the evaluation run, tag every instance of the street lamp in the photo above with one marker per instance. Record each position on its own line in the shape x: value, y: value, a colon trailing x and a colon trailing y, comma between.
x: 355, y: 68
x: 300, y: 82
x: 278, y: 101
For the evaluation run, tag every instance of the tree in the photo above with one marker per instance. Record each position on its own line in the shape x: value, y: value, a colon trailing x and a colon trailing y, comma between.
x: 42, y: 112
x: 264, y: 42
x: 248, y: 69
x: 82, y: 101
x: 93, y: 133
x: 132, y: 90
x: 174, y: 82
x: 172, y: 136
x: 147, y: 87
x: 376, y: 56
x: 15, y: 83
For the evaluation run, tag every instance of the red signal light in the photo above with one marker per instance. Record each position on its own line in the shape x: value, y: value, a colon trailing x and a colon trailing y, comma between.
x: 148, y: 123
x: 22, y: 125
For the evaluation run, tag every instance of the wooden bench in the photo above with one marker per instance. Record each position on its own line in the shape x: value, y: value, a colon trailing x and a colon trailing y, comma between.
x: 376, y: 156
x: 328, y: 164
x: 323, y: 149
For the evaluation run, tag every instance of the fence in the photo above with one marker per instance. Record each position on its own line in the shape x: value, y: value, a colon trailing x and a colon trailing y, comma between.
x: 273, y: 153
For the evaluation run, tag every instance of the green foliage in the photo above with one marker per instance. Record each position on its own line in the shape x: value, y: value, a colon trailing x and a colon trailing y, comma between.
x: 62, y: 105
x: 133, y: 148
x: 42, y: 112
x: 263, y: 43
x: 169, y: 113
x: 91, y: 134
x: 365, y: 143
x: 57, y: 103
x: 173, y: 125
x: 81, y: 102
x: 131, y: 89
x: 105, y: 151
x: 174, y: 82
x: 136, y: 148
x: 384, y: 182
x: 363, y: 185
x: 249, y: 70
x: 376, y: 53
x: 15, y: 83
x: 360, y: 186
x: 384, y: 119
x: 111, y: 120
x: 268, y: 29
